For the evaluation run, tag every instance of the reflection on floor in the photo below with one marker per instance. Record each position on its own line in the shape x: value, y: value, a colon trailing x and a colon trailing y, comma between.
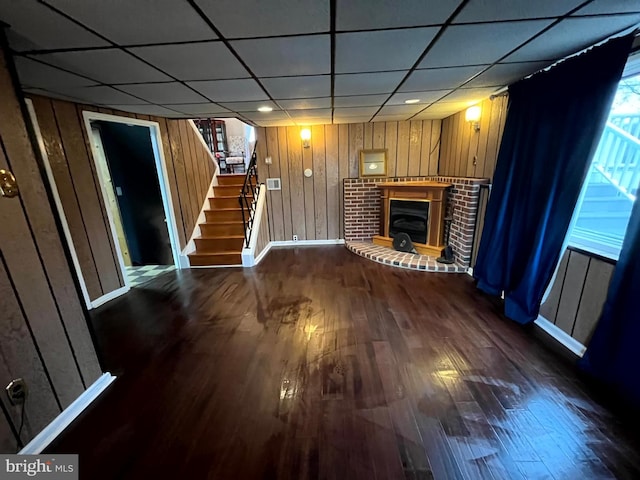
x: 318, y: 363
x: 140, y: 275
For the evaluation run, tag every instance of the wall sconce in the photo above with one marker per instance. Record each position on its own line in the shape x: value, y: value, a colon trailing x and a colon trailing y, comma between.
x: 473, y: 115
x: 305, y: 135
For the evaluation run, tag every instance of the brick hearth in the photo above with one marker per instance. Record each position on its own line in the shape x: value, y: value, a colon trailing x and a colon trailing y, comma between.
x: 400, y: 259
x: 362, y: 210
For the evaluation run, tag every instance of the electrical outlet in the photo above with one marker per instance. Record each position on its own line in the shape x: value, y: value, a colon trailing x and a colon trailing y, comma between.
x: 295, y: 238
x: 17, y: 391
x: 268, y: 161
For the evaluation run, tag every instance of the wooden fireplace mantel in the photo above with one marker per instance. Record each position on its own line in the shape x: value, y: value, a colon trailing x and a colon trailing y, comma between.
x: 434, y: 193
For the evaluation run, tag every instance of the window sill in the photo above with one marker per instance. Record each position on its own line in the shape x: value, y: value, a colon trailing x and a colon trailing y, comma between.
x: 608, y: 258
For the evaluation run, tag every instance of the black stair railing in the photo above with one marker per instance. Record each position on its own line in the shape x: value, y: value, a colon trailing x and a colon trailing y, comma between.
x: 248, y: 195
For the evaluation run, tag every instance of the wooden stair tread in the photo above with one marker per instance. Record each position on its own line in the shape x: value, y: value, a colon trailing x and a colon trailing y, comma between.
x: 224, y: 222
x: 221, y: 237
x: 227, y: 196
x: 222, y: 209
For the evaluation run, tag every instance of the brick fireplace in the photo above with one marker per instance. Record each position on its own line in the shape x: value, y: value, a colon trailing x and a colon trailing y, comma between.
x: 362, y: 209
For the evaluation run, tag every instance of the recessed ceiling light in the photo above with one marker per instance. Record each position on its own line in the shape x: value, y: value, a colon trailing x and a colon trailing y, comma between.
x: 412, y: 100
x: 265, y: 109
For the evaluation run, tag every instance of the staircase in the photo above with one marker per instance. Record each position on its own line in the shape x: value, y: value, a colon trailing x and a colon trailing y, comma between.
x: 222, y: 234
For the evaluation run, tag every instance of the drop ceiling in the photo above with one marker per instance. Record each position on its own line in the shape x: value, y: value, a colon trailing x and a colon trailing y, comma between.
x: 311, y: 61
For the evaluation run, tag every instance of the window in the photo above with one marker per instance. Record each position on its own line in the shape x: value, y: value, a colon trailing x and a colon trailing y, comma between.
x: 611, y: 186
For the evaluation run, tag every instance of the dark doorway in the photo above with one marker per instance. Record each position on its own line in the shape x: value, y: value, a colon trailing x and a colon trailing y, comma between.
x: 131, y: 164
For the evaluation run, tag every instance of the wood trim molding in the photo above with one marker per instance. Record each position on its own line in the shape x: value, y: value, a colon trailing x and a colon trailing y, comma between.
x: 68, y: 415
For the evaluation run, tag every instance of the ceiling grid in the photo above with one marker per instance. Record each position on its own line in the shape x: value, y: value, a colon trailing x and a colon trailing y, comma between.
x: 307, y: 61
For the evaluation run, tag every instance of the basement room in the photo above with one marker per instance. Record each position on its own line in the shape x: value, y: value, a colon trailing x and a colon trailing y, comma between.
x: 320, y: 239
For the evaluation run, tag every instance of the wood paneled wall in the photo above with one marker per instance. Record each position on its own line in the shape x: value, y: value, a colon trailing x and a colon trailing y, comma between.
x: 189, y: 168
x: 44, y: 334
x: 467, y: 153
x: 312, y: 207
x: 578, y: 293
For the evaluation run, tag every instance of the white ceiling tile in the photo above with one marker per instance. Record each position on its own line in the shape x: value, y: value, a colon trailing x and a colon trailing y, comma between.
x: 127, y: 22
x: 286, y: 56
x: 199, y: 108
x: 311, y: 113
x: 250, y: 18
x: 381, y: 50
x: 313, y: 121
x: 469, y: 95
x: 432, y: 115
x: 492, y: 10
x: 424, y: 97
x: 364, y: 83
x: 391, y: 118
x: 365, y: 119
x: 106, y: 66
x: 18, y: 43
x: 505, y: 74
x: 355, y: 111
x: 48, y: 93
x: 407, y: 110
x: 51, y: 30
x: 372, y: 14
x: 609, y: 6
x: 194, y: 61
x: 305, y: 103
x: 570, y: 36
x: 230, y: 90
x: 104, y: 95
x: 360, y: 100
x: 146, y: 110
x: 479, y: 44
x: 298, y: 87
x: 249, y: 106
x: 439, y: 78
x: 274, y: 123
x: 266, y: 116
x: 164, y: 93
x: 442, y: 110
x: 226, y: 115
x: 39, y: 75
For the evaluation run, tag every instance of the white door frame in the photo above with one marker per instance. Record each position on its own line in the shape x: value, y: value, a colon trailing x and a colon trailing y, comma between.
x: 165, y: 189
x: 163, y: 181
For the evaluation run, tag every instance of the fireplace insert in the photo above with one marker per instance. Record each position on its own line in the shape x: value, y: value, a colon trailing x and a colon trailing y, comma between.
x: 410, y: 217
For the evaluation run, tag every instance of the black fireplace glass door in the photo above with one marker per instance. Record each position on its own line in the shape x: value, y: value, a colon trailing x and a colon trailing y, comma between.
x: 410, y: 217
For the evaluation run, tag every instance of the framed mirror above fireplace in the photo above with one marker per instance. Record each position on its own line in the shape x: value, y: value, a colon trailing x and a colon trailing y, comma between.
x: 373, y: 163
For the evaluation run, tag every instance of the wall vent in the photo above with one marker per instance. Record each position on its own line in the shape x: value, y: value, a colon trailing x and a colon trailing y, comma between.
x: 273, y: 184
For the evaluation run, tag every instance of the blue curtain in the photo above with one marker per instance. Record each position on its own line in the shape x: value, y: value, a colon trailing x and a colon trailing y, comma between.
x: 554, y: 122
x: 613, y: 355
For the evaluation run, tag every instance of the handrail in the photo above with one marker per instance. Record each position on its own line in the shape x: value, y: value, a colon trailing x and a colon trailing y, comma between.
x: 248, y: 195
x: 617, y: 159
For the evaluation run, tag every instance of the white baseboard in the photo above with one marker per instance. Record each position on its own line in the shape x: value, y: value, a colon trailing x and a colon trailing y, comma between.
x: 288, y: 243
x: 68, y: 415
x: 184, y: 262
x: 216, y: 266
x: 109, y: 296
x: 561, y: 336
x: 299, y: 243
x: 262, y: 254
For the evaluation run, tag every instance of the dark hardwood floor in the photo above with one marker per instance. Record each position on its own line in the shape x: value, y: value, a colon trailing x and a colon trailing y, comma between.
x: 322, y: 364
